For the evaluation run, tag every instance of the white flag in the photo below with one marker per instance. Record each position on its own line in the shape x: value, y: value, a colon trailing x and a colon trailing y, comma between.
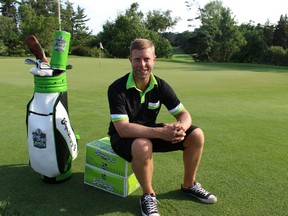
x: 101, y: 46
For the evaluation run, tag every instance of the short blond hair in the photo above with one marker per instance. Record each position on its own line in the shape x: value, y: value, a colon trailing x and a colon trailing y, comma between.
x: 141, y: 43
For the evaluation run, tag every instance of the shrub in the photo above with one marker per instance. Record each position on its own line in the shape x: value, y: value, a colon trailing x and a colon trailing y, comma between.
x: 276, y: 55
x: 87, y: 51
x: 80, y: 51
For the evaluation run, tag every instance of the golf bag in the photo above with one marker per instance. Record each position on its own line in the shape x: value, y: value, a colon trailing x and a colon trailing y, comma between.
x: 52, y: 143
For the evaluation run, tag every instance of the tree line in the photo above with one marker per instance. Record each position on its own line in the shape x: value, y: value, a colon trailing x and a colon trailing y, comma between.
x: 19, y: 19
x: 218, y: 38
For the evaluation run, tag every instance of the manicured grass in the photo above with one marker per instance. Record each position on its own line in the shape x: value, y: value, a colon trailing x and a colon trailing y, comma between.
x: 180, y: 56
x: 243, y: 110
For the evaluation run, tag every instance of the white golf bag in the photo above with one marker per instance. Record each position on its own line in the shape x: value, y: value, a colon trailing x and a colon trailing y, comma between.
x: 52, y: 143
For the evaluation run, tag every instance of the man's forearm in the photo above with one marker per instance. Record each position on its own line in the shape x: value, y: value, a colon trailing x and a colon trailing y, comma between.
x: 185, y: 120
x: 133, y: 130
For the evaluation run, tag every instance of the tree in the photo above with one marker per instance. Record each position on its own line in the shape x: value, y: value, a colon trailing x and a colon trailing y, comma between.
x: 9, y: 37
x: 280, y: 37
x: 20, y: 18
x: 41, y: 19
x: 255, y: 48
x: 41, y: 26
x: 8, y: 9
x: 9, y: 34
x: 117, y: 35
x: 171, y: 37
x: 182, y: 40
x: 80, y: 32
x: 162, y: 46
x: 228, y: 40
x: 67, y: 14
x: 268, y: 32
x: 45, y: 8
x: 218, y: 34
x: 200, y: 45
x: 159, y: 21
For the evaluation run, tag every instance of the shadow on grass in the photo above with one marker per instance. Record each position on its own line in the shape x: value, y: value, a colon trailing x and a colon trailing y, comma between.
x: 245, y: 67
x: 215, y: 67
x: 177, y: 195
x: 24, y: 193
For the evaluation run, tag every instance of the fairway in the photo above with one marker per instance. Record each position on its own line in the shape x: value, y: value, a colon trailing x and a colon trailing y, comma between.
x: 243, y: 110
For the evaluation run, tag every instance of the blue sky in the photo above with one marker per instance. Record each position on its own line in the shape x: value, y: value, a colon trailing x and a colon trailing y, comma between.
x: 243, y: 10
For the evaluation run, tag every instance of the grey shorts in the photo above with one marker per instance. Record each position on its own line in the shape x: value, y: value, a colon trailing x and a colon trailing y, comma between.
x: 122, y: 146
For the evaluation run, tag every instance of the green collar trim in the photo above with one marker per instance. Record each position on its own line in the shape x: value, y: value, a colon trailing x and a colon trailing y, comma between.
x: 131, y: 84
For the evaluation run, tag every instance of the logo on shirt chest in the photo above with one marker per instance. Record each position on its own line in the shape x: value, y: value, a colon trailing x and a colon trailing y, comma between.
x: 153, y: 105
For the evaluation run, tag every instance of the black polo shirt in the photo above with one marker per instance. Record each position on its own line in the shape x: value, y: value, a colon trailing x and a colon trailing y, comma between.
x: 128, y: 102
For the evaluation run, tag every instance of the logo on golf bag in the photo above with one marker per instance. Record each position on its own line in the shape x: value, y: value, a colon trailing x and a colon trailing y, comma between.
x: 39, y: 139
x: 104, y: 166
x: 66, y: 128
x: 60, y: 44
x: 103, y: 176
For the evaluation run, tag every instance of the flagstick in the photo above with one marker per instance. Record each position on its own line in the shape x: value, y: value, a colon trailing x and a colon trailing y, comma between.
x: 100, y: 53
x: 59, y: 14
x: 99, y: 57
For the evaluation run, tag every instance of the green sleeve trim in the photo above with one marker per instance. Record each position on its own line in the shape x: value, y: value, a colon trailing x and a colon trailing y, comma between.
x: 117, y: 117
x: 177, y: 109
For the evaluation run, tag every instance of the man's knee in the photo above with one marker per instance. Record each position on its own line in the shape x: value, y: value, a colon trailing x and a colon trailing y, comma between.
x: 198, y: 134
x: 142, y: 147
x: 196, y: 137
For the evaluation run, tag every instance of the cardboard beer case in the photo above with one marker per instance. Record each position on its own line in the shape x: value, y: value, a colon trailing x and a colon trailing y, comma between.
x: 110, y: 182
x: 99, y: 153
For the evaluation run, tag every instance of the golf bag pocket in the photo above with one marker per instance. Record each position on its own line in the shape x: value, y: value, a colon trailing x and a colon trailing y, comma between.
x: 51, y: 141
